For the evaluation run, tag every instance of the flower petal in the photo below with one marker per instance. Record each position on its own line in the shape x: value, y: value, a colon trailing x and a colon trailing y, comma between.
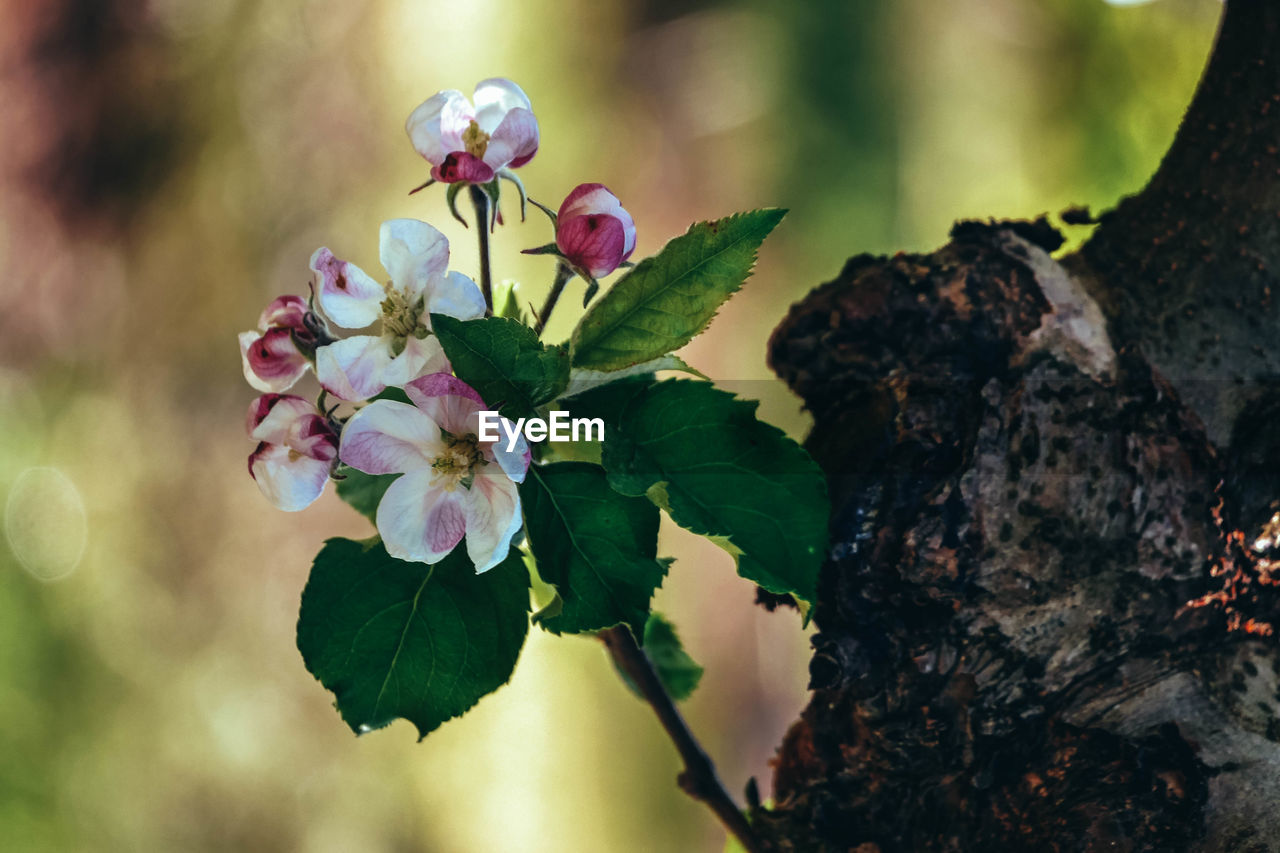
x: 596, y: 242
x: 461, y: 166
x: 513, y: 462
x: 386, y: 437
x: 271, y: 417
x: 420, y: 357
x: 435, y: 127
x: 596, y: 198
x: 514, y: 142
x: 314, y: 436
x: 492, y: 507
x: 448, y: 401
x: 290, y: 480
x: 496, y: 97
x: 350, y: 297
x: 456, y: 295
x: 413, y: 253
x: 271, y: 361
x: 419, y: 522
x: 286, y: 311
x: 352, y: 369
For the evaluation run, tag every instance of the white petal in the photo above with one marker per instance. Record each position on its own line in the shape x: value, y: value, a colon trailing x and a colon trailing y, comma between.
x: 515, y: 140
x: 419, y: 522
x: 386, y: 437
x: 272, y: 417
x: 448, y: 401
x: 290, y: 480
x: 420, y: 357
x: 435, y: 127
x: 352, y: 369
x: 514, y: 462
x: 348, y: 295
x: 494, y: 98
x: 492, y: 507
x: 413, y: 253
x: 456, y: 295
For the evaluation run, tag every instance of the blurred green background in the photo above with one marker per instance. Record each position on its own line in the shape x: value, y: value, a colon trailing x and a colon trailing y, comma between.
x: 167, y: 167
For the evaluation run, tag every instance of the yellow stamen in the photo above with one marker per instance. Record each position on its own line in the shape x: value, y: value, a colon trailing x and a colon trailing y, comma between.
x: 475, y: 140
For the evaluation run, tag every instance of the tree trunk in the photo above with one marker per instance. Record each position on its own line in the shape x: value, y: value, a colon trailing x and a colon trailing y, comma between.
x: 1048, y: 616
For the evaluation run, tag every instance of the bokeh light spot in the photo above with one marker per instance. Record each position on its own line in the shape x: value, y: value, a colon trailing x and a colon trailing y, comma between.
x: 45, y: 523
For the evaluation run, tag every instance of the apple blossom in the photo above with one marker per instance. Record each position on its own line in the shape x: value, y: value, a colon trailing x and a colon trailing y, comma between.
x: 593, y: 231
x: 276, y: 356
x: 454, y: 483
x: 417, y: 258
x: 472, y: 143
x: 295, y: 452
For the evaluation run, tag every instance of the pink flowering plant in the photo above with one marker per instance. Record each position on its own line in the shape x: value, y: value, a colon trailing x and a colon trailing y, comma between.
x: 431, y: 417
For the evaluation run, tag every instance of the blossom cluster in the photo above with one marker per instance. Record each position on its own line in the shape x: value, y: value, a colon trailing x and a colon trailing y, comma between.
x: 452, y: 485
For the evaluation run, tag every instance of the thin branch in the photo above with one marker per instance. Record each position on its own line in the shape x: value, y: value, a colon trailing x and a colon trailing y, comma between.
x: 698, y: 779
x: 563, y: 274
x: 481, y: 203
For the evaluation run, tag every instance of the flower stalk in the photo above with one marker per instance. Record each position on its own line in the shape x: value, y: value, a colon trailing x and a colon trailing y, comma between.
x: 563, y: 274
x: 481, y: 203
x: 698, y: 779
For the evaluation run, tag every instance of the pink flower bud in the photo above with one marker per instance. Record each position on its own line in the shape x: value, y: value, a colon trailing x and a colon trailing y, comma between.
x: 593, y: 231
x: 280, y: 351
x: 296, y: 449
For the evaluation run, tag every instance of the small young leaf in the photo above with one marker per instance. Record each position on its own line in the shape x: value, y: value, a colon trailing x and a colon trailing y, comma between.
x: 394, y: 639
x: 598, y: 547
x: 504, y: 361
x: 702, y: 455
x: 363, y: 492
x: 661, y: 304
x: 678, y: 672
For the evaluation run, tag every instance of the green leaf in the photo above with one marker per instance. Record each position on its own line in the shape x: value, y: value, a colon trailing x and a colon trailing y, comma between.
x: 395, y: 639
x: 598, y: 547
x: 701, y: 454
x: 363, y: 492
x: 678, y: 672
x: 661, y: 304
x: 582, y: 380
x: 504, y: 361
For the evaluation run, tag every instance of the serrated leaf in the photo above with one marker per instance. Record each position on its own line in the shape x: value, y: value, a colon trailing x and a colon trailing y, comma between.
x: 678, y: 672
x: 719, y: 472
x: 363, y: 492
x: 393, y: 639
x: 596, y: 546
x: 504, y: 361
x: 662, y: 303
x: 582, y: 380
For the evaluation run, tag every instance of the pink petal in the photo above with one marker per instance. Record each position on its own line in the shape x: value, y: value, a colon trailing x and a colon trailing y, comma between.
x: 461, y: 166
x: 596, y: 198
x: 271, y: 361
x: 286, y: 311
x: 448, y: 401
x: 596, y: 242
x: 413, y: 254
x: 314, y: 437
x: 351, y: 369
x: 457, y: 296
x: 420, y: 357
x: 289, y: 480
x: 418, y: 521
x: 435, y: 127
x: 386, y: 437
x: 271, y: 417
x: 492, y: 507
x: 350, y: 297
x: 514, y: 142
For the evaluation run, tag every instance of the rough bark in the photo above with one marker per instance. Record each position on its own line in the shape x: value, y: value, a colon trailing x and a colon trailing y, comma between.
x: 1047, y: 617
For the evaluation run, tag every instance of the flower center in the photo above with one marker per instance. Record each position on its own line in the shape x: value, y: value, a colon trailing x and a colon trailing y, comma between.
x: 475, y: 140
x: 455, y: 466
x: 400, y: 317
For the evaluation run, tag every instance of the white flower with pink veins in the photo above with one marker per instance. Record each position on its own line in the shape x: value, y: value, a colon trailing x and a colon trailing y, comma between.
x: 416, y: 256
x: 454, y: 484
x: 474, y: 142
